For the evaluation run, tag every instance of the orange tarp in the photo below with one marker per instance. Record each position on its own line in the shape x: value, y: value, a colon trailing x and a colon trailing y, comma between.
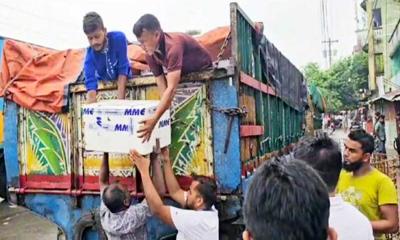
x: 213, y: 40
x: 37, y: 78
x: 136, y: 55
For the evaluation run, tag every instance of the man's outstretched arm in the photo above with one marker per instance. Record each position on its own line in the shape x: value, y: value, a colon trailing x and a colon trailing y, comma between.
x: 104, y: 172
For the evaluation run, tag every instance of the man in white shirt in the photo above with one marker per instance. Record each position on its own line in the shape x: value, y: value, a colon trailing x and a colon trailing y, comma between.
x: 199, y: 221
x: 324, y: 155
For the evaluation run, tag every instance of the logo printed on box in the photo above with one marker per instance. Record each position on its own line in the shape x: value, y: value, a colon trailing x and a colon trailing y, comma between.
x: 121, y: 127
x: 88, y: 111
x: 164, y: 123
x: 112, y: 126
x: 134, y: 112
x: 98, y: 121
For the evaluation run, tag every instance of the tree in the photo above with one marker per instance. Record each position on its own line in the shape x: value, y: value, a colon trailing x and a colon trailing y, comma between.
x: 341, y: 83
x: 193, y: 32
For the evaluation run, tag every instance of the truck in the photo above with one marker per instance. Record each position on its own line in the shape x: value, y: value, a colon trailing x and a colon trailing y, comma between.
x: 226, y: 121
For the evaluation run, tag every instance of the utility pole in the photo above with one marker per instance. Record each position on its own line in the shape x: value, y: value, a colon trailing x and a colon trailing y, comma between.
x: 326, y: 33
x: 329, y: 55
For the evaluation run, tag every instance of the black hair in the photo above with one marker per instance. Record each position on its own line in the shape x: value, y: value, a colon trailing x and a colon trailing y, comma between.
x: 92, y: 22
x: 114, y: 199
x: 287, y: 200
x: 365, y: 139
x: 148, y: 22
x: 324, y: 155
x: 207, y: 188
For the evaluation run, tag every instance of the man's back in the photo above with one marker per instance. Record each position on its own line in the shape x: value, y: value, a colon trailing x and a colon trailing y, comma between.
x: 380, y: 130
x: 348, y: 222
x: 129, y: 224
x: 367, y: 192
x: 195, y: 225
x: 179, y: 51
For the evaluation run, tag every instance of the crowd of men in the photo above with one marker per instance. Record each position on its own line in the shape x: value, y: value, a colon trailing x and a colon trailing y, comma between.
x: 169, y: 55
x: 311, y: 193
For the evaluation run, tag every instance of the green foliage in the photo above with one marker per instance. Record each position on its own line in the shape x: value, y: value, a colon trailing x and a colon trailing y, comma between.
x: 193, y: 32
x: 341, y: 83
x: 47, y: 143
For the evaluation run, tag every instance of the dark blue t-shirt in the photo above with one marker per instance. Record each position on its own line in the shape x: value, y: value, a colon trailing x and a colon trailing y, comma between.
x: 108, y: 64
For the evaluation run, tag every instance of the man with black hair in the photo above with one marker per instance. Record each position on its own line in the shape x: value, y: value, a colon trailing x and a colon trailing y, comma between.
x: 177, y: 53
x: 287, y: 200
x: 380, y: 135
x: 365, y: 187
x: 106, y: 57
x: 323, y: 154
x: 199, y: 221
x: 119, y: 219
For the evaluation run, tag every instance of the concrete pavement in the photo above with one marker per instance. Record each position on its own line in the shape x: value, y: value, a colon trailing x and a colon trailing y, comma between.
x: 17, y: 223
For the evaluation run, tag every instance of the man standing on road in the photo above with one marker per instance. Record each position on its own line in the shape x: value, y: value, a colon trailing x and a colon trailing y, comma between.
x: 324, y: 155
x: 345, y: 121
x: 380, y: 135
x: 106, y: 58
x: 365, y: 187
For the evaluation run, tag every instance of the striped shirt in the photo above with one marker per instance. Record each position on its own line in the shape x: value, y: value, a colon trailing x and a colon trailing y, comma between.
x: 129, y: 224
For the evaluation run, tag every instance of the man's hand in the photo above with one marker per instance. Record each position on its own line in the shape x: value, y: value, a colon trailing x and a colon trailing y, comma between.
x: 142, y: 163
x: 104, y: 172
x: 121, y: 83
x: 91, y: 97
x: 147, y: 128
x: 165, y: 155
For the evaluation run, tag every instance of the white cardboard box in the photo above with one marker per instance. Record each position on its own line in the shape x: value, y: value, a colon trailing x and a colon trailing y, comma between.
x: 112, y: 125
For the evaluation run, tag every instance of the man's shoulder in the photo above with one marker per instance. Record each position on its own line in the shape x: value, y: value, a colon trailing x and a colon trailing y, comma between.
x: 186, y: 218
x: 345, y: 209
x: 132, y: 213
x: 116, y: 34
x: 379, y: 176
x: 347, y: 214
x: 89, y: 53
x: 208, y: 215
x: 345, y: 175
x: 116, y: 37
x: 142, y: 206
x: 180, y: 37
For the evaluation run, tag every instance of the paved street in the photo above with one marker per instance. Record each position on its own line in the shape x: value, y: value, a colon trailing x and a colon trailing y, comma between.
x: 339, y: 136
x: 17, y: 223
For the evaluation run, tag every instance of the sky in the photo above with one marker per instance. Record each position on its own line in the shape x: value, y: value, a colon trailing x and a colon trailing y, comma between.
x: 292, y: 25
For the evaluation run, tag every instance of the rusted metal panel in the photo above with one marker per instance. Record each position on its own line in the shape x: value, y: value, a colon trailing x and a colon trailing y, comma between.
x: 227, y: 169
x: 251, y: 130
x: 247, y: 101
x: 253, y: 83
x: 275, y: 124
x: 204, y: 76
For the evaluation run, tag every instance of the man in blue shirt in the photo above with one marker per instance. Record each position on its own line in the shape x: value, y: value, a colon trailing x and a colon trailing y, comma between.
x: 106, y: 58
